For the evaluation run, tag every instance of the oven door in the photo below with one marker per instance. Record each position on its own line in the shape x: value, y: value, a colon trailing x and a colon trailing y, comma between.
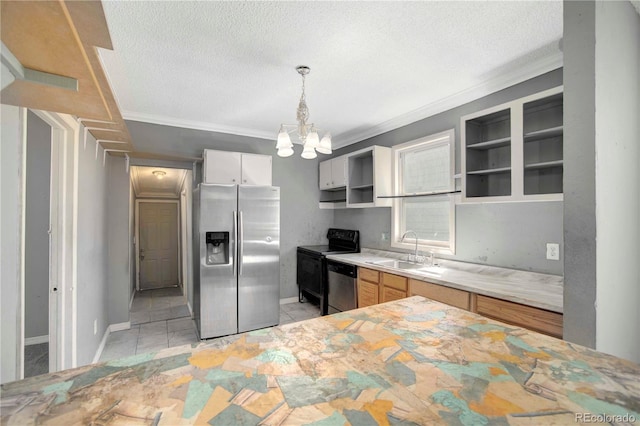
x: 310, y: 273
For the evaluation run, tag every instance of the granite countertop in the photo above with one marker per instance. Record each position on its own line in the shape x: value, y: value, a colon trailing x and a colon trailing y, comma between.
x: 413, y: 361
x: 528, y: 288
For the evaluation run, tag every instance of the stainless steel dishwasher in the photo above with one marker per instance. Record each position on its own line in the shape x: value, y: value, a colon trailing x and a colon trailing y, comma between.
x: 341, y: 282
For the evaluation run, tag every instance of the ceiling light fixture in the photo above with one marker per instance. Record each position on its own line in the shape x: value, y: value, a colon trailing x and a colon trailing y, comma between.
x: 159, y: 174
x: 307, y: 133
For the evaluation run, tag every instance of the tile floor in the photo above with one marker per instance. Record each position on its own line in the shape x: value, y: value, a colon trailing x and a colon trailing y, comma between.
x: 153, y: 326
x: 36, y: 359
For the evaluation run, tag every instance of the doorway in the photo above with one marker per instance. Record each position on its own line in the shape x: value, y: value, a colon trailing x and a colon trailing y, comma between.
x: 158, y: 251
x: 161, y: 244
x: 37, y: 247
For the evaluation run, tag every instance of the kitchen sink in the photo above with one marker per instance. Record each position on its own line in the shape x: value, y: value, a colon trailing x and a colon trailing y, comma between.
x: 397, y: 264
x: 403, y: 264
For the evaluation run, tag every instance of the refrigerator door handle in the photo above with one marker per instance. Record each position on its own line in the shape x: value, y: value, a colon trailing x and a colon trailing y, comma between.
x: 241, y: 242
x: 235, y: 239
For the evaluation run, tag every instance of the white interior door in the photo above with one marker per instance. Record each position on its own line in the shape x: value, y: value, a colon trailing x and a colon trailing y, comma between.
x: 158, y: 252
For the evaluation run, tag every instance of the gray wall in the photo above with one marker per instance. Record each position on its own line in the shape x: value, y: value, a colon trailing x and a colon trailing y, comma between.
x: 301, y: 221
x: 119, y: 273
x: 617, y: 147
x: 484, y: 232
x: 38, y: 180
x: 579, y: 173
x: 10, y: 161
x: 92, y: 247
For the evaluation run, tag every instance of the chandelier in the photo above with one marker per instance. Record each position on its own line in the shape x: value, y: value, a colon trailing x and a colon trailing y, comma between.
x: 307, y: 132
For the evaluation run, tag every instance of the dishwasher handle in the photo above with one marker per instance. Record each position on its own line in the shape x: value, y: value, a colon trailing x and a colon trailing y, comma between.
x: 342, y: 268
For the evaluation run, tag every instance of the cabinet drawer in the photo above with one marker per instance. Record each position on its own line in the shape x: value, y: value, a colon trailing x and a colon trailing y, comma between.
x: 536, y: 319
x: 450, y: 296
x: 389, y: 294
x: 394, y: 281
x: 367, y: 294
x: 368, y: 274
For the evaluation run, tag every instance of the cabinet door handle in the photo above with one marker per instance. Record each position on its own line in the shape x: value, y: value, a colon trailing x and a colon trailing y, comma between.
x: 233, y: 180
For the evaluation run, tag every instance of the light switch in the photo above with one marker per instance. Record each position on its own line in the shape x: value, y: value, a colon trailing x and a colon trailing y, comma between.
x: 553, y: 251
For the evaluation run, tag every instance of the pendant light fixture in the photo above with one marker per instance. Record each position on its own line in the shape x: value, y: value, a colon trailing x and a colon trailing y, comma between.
x: 307, y: 132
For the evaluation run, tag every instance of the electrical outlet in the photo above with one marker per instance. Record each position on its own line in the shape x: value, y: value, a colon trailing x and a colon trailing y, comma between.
x: 553, y: 251
x: 95, y: 326
x: 384, y: 236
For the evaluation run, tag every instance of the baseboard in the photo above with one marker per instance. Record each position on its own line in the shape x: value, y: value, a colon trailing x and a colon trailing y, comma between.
x: 36, y: 340
x: 103, y: 342
x: 289, y: 300
x: 112, y: 327
x: 190, y: 310
x: 133, y: 295
x: 120, y: 326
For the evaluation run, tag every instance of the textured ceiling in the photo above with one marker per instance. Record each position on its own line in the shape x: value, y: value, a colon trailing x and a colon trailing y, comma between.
x: 230, y: 66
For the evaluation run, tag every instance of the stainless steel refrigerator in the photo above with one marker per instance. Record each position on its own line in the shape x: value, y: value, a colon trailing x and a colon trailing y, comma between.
x: 236, y: 258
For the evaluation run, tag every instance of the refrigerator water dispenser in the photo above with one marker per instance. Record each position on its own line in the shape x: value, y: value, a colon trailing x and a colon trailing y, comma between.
x: 217, y: 248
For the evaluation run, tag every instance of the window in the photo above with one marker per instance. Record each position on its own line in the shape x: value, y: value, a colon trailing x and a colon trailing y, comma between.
x: 423, y: 169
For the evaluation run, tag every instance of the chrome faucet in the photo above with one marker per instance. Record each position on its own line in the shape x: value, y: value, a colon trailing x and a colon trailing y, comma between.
x: 415, y: 256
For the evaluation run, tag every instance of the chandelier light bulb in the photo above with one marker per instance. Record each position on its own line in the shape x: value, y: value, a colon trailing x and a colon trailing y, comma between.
x: 284, y: 141
x: 312, y: 139
x: 309, y: 153
x: 325, y: 144
x: 285, y: 152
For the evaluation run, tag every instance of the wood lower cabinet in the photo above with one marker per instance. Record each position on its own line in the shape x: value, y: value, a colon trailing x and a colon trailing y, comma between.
x: 392, y: 287
x: 378, y: 287
x: 367, y: 287
x: 367, y: 293
x: 450, y: 296
x: 536, y: 319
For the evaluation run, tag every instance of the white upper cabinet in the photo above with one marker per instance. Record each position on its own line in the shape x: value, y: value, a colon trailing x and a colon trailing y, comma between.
x: 333, y: 173
x: 256, y: 169
x: 369, y: 177
x: 513, y: 152
x: 224, y: 167
x: 339, y: 171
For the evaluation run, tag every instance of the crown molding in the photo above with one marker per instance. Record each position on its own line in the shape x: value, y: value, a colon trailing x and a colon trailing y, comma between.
x: 197, y: 125
x: 150, y: 194
x: 499, y: 82
x: 492, y: 85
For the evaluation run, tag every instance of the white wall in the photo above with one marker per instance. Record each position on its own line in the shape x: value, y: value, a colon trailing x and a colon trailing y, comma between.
x: 92, y: 246
x: 10, y: 162
x: 187, y: 240
x: 617, y: 124
x: 37, y: 207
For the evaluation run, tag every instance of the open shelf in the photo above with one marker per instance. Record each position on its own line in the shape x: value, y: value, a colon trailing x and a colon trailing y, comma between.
x: 543, y: 133
x: 551, y: 132
x: 544, y: 165
x: 496, y: 143
x: 514, y: 151
x: 364, y: 186
x: 490, y: 171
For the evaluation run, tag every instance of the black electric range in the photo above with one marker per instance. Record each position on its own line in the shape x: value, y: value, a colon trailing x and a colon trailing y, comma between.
x: 311, y: 271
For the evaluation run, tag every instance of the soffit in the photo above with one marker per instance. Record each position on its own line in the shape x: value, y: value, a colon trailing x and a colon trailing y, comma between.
x: 61, y: 38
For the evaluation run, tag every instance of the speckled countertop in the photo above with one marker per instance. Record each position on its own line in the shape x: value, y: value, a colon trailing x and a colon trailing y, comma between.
x: 529, y: 288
